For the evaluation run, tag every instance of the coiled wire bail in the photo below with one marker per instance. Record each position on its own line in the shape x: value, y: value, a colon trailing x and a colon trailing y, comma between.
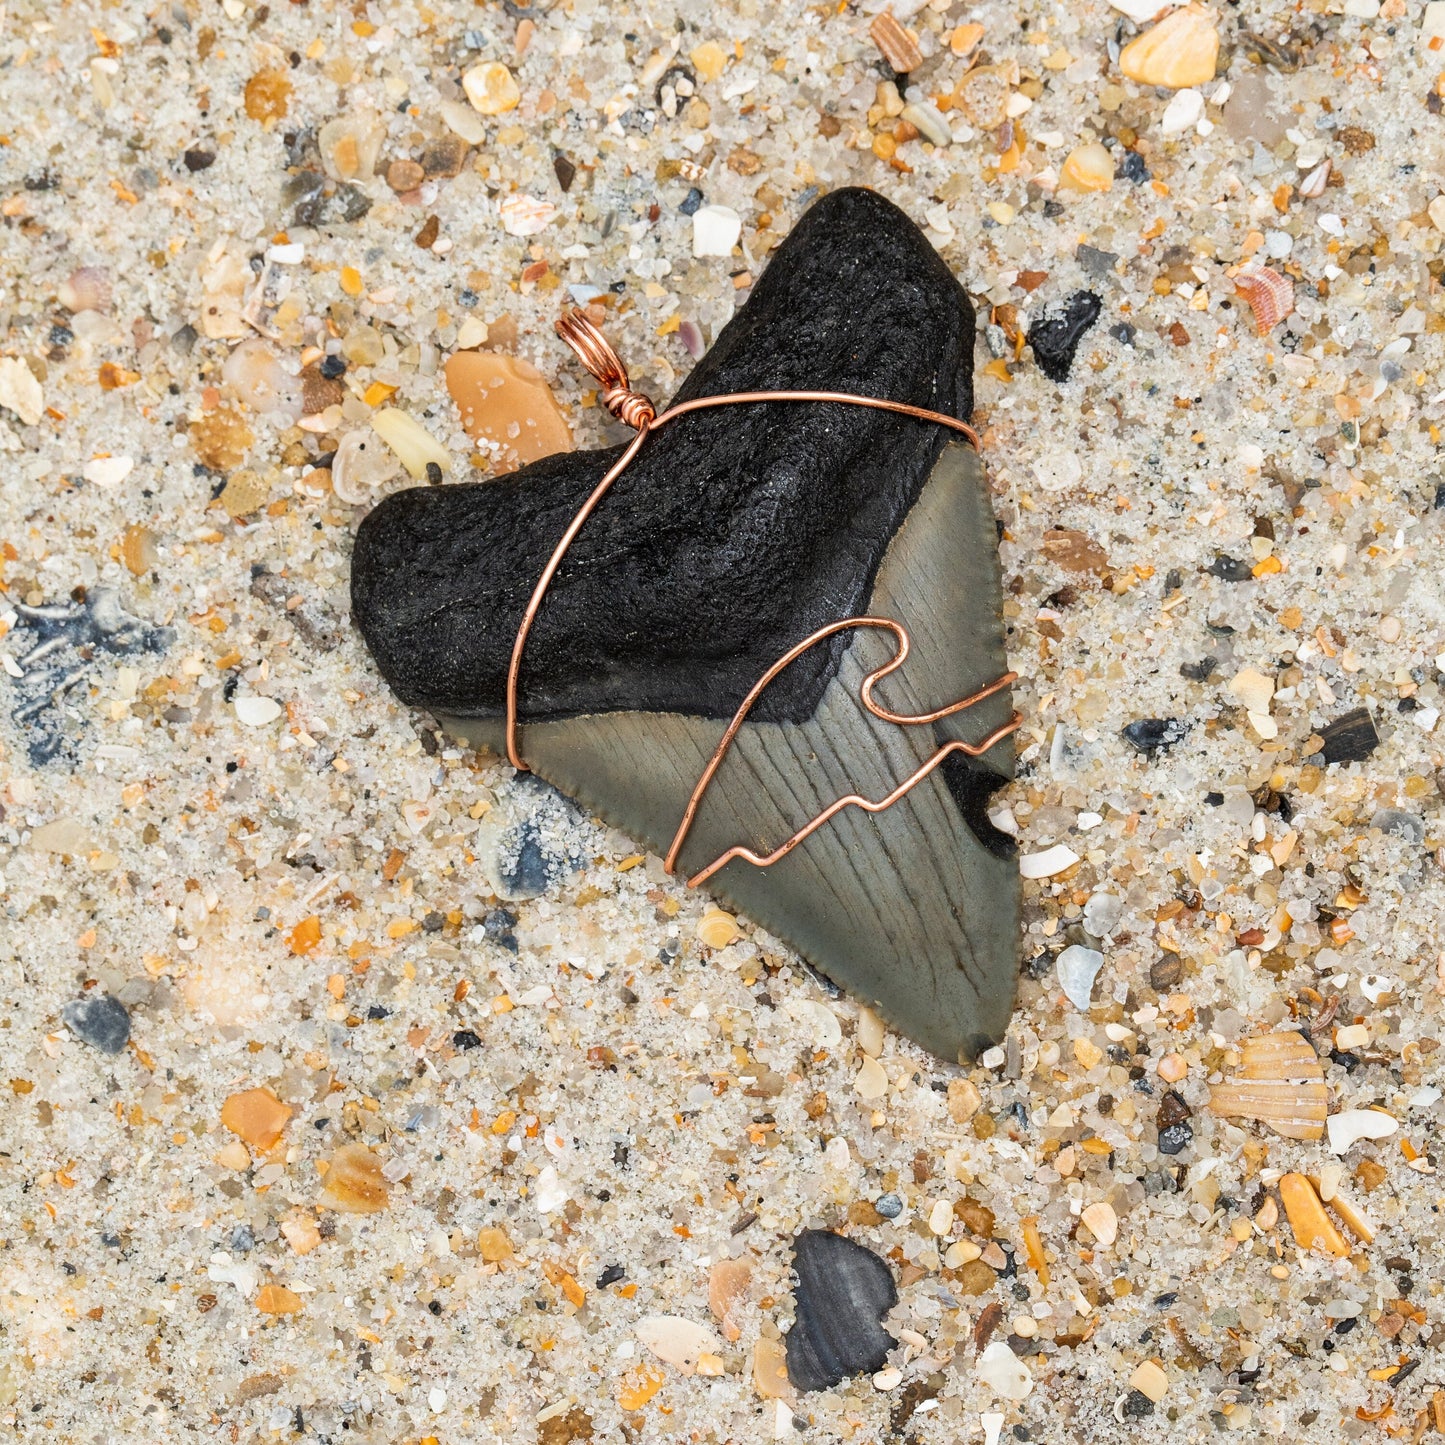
x: 596, y: 354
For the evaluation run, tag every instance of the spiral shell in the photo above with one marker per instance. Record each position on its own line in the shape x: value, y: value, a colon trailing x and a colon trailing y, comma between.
x: 1270, y: 295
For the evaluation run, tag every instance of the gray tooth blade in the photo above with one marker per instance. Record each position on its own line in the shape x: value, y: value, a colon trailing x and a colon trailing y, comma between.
x: 914, y: 910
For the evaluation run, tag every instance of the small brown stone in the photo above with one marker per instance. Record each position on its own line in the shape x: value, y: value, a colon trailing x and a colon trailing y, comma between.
x: 318, y: 392
x: 727, y: 1288
x: 268, y: 93
x: 244, y: 492
x: 444, y: 157
x: 977, y: 1218
x: 354, y: 1183
x: 1165, y: 972
x: 404, y: 175
x: 862, y: 1212
x: 575, y: 1425
x: 1074, y: 551
x: 975, y: 1278
x: 1355, y: 140
x: 221, y: 438
x: 427, y: 236
x: 1370, y: 1174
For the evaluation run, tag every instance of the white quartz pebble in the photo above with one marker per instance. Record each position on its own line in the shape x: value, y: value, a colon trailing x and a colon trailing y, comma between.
x: 256, y: 712
x: 715, y: 230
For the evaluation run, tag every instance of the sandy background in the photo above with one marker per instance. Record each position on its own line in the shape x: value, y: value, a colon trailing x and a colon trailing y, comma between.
x: 317, y: 901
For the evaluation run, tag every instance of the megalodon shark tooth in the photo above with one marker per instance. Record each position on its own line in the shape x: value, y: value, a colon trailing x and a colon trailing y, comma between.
x: 733, y: 534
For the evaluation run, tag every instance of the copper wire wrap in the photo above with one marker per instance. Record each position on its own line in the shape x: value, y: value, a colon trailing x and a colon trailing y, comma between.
x: 637, y: 411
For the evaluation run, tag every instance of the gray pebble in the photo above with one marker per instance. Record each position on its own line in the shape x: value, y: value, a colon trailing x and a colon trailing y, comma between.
x: 100, y: 1020
x: 890, y: 1206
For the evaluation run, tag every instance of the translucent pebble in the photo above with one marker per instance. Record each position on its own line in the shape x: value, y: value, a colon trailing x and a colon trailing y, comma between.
x: 1102, y: 913
x: 350, y: 147
x: 1077, y: 968
x: 259, y: 380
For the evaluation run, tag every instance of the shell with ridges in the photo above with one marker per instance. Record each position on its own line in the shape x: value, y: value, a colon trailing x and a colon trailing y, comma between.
x: 1280, y: 1083
x: 1270, y: 295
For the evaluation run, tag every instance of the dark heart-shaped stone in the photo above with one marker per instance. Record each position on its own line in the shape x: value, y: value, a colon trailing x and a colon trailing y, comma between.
x: 844, y: 1290
x: 735, y: 533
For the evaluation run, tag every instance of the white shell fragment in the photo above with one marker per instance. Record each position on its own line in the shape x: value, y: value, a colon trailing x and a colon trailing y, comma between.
x: 256, y: 712
x: 1349, y: 1126
x: 19, y: 390
x: 1077, y: 968
x: 108, y: 471
x: 524, y: 215
x: 360, y: 464
x: 1003, y: 1372
x: 1046, y: 864
x: 677, y: 1341
x: 715, y: 230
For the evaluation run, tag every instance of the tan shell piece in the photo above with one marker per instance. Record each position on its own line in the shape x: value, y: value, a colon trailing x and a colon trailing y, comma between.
x: 1180, y: 51
x: 1280, y: 1083
x: 506, y: 400
x: 1270, y: 295
x: 727, y: 1288
x: 1312, y: 1226
x: 1351, y: 1216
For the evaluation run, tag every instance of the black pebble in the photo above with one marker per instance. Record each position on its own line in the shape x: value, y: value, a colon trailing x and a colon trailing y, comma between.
x: 1198, y: 671
x: 1175, y: 1138
x: 1151, y: 735
x: 1123, y: 332
x: 611, y: 1275
x: 844, y: 1290
x: 564, y: 170
x: 1056, y: 335
x: 1215, y: 800
x: 691, y: 202
x: 100, y: 1020
x: 1132, y: 167
x: 1136, y: 1403
x: 1351, y: 738
x: 1230, y: 569
x: 332, y: 367
x: 199, y: 160
x: 465, y: 1039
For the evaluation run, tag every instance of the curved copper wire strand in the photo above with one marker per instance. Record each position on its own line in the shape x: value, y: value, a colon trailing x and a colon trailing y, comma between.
x: 865, y: 693
x: 637, y: 411
x: 597, y: 355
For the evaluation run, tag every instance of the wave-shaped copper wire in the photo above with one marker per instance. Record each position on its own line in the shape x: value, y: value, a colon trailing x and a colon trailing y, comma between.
x: 637, y: 411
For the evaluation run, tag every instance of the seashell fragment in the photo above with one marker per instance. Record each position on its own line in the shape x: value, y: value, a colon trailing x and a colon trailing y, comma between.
x: 1270, y: 295
x: 897, y: 46
x: 85, y: 289
x: 1180, y: 51
x: 1280, y: 1083
x: 19, y: 390
x: 360, y: 464
x: 844, y: 1290
x: 1349, y: 1126
x: 677, y: 1341
x: 416, y: 447
x: 1312, y: 1227
x: 727, y: 1288
x: 524, y: 215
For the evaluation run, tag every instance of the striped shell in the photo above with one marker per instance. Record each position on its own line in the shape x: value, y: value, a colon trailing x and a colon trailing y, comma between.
x: 1280, y: 1083
x: 1270, y: 295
